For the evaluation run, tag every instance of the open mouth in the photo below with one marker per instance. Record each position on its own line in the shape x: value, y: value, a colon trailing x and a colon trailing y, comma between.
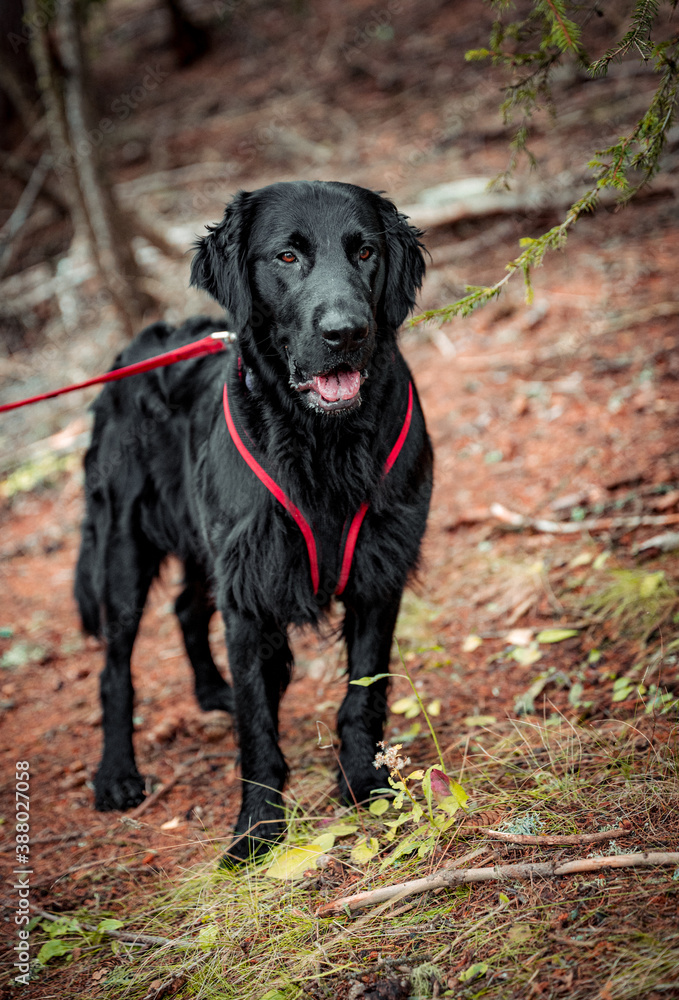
x: 331, y: 391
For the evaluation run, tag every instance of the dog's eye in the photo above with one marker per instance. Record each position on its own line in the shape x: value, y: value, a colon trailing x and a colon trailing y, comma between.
x: 287, y: 257
x: 365, y: 252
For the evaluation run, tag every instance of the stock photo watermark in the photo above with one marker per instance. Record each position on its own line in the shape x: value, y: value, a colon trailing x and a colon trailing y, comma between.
x: 22, y: 871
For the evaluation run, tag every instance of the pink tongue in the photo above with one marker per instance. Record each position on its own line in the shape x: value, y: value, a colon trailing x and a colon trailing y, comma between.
x: 337, y: 385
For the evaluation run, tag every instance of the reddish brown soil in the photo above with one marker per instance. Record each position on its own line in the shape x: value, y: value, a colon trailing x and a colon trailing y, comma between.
x: 576, y: 395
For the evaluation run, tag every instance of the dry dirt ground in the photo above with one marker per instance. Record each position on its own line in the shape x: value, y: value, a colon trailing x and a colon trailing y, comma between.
x: 568, y: 404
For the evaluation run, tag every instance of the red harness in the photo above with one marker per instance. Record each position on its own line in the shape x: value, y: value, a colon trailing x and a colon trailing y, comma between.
x: 347, y: 554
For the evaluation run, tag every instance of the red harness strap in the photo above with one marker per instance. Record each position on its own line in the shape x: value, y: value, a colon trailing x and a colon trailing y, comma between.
x: 300, y: 520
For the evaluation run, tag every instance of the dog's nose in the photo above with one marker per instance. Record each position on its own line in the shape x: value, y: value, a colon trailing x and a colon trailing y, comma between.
x: 343, y: 333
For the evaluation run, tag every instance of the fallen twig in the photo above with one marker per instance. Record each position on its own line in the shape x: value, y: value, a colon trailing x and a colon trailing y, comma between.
x: 546, y: 869
x: 163, y: 790
x: 506, y: 516
x: 552, y: 840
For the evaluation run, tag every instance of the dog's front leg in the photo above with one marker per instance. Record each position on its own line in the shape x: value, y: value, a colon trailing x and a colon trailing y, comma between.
x: 260, y: 661
x: 368, y: 631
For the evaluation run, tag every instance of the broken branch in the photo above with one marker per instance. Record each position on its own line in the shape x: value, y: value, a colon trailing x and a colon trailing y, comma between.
x: 553, y: 840
x: 546, y: 869
x: 509, y: 517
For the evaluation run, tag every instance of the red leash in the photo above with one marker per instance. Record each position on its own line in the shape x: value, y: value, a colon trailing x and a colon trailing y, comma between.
x: 208, y: 345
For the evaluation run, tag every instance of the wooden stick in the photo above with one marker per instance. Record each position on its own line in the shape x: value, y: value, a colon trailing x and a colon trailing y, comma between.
x: 552, y: 840
x: 546, y: 869
x: 499, y: 511
x: 163, y: 790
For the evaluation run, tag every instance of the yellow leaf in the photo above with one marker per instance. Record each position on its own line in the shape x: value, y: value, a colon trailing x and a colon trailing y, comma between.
x: 479, y: 720
x: 378, y: 807
x: 471, y: 643
x: 326, y: 841
x: 519, y: 637
x: 171, y: 824
x: 416, y: 776
x: 294, y: 861
x: 403, y: 705
x: 365, y: 850
x: 434, y: 707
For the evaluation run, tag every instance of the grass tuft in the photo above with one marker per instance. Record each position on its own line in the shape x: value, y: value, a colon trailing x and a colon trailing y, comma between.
x: 250, y: 936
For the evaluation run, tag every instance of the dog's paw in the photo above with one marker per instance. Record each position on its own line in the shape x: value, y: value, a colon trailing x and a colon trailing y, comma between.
x: 216, y: 698
x: 118, y: 792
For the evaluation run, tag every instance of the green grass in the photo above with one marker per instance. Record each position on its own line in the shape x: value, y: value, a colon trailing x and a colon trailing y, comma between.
x: 252, y: 937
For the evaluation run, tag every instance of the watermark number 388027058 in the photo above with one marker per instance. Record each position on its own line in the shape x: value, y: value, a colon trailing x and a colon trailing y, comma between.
x: 22, y: 870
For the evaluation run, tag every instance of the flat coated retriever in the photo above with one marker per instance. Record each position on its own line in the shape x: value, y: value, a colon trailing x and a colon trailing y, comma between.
x: 287, y: 470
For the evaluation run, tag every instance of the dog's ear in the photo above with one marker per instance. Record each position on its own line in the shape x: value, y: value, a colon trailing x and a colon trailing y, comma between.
x: 220, y: 266
x: 405, y: 265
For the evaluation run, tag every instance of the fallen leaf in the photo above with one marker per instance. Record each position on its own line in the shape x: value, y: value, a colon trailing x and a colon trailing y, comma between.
x: 479, y: 720
x: 365, y: 850
x: 473, y: 972
x: 407, y: 706
x: 556, y: 634
x: 471, y: 643
x: 171, y: 824
x: 526, y: 655
x: 294, y: 861
x: 519, y: 637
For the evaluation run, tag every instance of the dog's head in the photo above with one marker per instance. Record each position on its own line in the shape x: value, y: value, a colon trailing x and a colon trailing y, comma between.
x: 312, y: 275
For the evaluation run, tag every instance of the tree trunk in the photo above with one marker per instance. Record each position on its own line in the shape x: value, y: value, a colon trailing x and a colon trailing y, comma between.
x: 96, y: 217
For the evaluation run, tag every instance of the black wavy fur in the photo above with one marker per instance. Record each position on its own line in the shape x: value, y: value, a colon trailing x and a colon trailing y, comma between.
x: 163, y: 476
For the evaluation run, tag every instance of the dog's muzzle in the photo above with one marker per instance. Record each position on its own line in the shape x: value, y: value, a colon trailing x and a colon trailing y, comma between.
x: 331, y: 391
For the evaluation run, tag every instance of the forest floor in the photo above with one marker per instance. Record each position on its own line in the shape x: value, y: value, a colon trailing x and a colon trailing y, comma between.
x: 562, y: 410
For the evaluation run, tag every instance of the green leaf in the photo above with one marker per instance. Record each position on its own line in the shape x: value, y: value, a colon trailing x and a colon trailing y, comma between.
x: 346, y: 829
x: 60, y: 927
x: 109, y: 925
x: 54, y: 949
x: 379, y: 807
x: 208, y: 937
x: 365, y: 682
x: 622, y: 689
x: 556, y: 634
x: 526, y: 655
x: 473, y: 972
x: 426, y: 848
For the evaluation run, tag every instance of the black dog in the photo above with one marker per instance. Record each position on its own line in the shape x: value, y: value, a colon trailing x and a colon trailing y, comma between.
x: 291, y: 469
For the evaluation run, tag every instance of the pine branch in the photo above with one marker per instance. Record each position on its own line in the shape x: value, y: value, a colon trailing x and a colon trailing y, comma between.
x: 618, y: 166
